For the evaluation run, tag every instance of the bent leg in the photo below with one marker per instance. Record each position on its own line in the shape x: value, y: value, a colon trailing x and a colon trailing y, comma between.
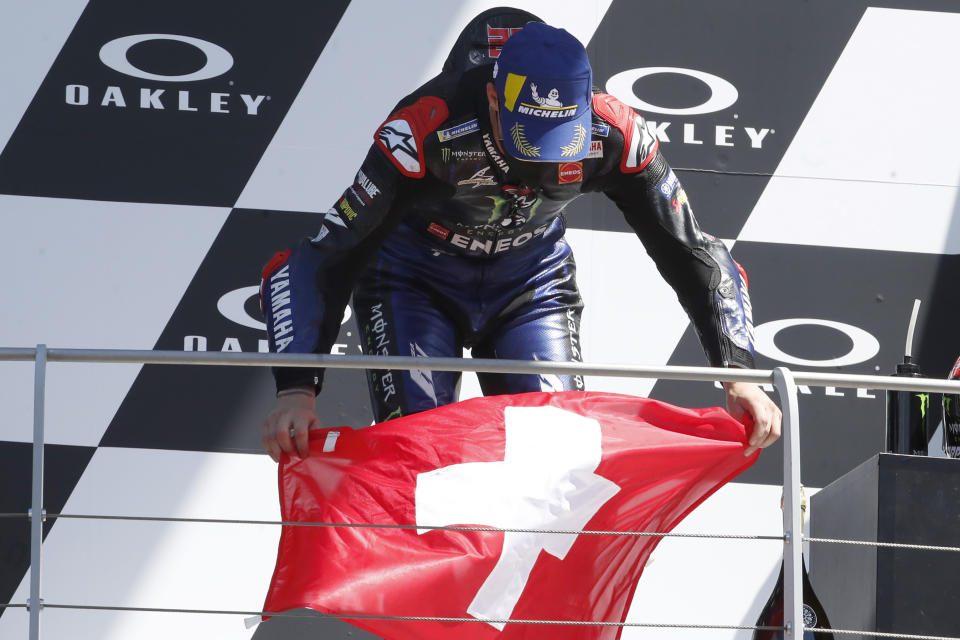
x: 396, y: 316
x: 542, y: 322
x: 549, y: 335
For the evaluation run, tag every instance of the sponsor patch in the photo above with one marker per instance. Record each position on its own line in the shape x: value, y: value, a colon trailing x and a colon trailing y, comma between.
x: 596, y: 149
x: 401, y: 137
x: 570, y: 172
x: 481, y: 178
x: 642, y: 145
x: 347, y: 209
x: 549, y: 106
x: 397, y: 138
x: 601, y: 130
x: 446, y: 135
x: 679, y: 199
x: 277, y: 291
x: 669, y: 184
x: 438, y: 231
x: 494, y: 154
x: 493, y: 246
x: 460, y: 155
x: 367, y: 185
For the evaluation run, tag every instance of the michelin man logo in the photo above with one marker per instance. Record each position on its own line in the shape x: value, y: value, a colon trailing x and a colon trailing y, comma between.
x: 552, y: 99
x: 550, y: 106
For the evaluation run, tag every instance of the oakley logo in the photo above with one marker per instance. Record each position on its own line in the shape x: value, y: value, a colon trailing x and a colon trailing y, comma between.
x: 864, y: 345
x: 722, y: 93
x: 114, y: 55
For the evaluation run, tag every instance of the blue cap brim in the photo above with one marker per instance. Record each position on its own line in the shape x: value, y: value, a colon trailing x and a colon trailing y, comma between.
x: 525, y: 138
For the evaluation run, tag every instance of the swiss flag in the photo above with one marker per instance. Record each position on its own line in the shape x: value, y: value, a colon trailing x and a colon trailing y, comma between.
x: 559, y: 461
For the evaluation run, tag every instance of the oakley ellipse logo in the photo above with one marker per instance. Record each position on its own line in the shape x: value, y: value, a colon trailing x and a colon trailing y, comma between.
x: 233, y: 306
x: 732, y: 133
x: 114, y: 55
x: 864, y: 347
x: 722, y: 93
x: 183, y: 99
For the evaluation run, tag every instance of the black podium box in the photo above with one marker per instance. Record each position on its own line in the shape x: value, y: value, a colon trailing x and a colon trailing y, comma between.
x: 890, y: 498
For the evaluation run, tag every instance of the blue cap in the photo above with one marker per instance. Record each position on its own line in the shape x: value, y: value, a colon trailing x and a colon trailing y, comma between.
x: 544, y: 82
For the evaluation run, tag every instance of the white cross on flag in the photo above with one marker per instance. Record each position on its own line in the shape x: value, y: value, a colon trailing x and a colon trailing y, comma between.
x: 539, y: 461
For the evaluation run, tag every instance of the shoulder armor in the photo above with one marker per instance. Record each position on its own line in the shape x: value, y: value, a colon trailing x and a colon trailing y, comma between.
x: 639, y: 146
x: 401, y: 136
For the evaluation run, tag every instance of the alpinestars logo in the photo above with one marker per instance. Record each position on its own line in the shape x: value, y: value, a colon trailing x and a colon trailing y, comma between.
x: 113, y: 55
x: 397, y: 137
x: 481, y: 178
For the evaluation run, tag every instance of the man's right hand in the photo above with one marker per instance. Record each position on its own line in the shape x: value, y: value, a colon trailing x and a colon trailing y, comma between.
x: 285, y: 429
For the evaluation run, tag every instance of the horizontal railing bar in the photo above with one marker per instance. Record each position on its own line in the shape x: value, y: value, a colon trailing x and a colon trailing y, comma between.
x: 360, y: 616
x: 880, y: 634
x: 858, y: 381
x: 361, y: 525
x: 320, y: 618
x: 482, y: 365
x: 887, y: 545
x: 652, y: 534
x: 15, y: 354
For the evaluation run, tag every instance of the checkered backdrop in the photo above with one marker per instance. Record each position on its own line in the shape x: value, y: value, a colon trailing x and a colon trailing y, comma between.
x: 144, y: 183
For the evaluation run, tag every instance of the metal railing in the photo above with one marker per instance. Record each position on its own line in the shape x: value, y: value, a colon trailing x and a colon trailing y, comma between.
x: 783, y: 380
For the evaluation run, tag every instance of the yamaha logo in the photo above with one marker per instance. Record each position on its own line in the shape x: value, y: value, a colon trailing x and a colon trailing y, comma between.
x: 235, y: 306
x: 723, y: 95
x: 115, y: 56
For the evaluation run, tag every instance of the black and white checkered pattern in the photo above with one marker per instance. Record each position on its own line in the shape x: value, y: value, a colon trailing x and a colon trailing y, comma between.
x: 138, y: 219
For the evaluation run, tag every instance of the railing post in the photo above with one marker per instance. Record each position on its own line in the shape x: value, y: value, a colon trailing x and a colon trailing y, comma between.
x: 792, y: 527
x: 36, y: 510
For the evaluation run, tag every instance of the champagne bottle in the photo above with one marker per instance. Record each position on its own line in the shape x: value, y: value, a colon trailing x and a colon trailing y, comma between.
x: 814, y: 616
x: 907, y: 411
x: 951, y: 417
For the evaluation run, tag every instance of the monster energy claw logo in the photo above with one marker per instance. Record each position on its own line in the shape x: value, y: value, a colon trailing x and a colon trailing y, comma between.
x: 924, y: 403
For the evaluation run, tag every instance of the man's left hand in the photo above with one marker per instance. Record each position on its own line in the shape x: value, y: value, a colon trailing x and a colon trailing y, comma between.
x: 745, y: 398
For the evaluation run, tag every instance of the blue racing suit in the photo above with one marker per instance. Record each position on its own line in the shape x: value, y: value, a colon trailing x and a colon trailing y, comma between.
x: 446, y: 242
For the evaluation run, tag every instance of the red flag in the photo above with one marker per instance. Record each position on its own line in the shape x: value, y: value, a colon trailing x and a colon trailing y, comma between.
x: 558, y: 461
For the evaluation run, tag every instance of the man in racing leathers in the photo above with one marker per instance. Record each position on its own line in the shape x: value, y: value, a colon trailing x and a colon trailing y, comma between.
x: 452, y: 235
